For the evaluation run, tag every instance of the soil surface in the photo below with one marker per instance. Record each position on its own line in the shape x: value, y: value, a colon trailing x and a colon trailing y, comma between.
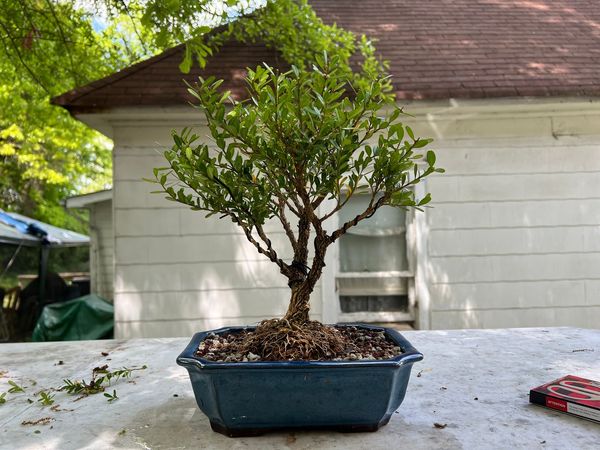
x: 363, y: 344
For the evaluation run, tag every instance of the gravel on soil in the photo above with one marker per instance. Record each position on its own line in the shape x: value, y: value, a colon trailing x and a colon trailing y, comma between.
x: 364, y: 344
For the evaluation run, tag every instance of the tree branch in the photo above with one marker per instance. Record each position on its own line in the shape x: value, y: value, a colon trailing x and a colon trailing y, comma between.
x: 368, y: 212
x: 135, y: 28
x: 286, y: 224
x: 268, y: 252
x: 74, y: 73
x: 22, y: 61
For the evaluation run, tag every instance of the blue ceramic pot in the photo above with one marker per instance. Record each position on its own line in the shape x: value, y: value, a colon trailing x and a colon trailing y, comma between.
x: 251, y: 398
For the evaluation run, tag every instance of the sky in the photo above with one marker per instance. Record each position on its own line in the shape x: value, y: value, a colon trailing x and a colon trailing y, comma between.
x: 99, y: 21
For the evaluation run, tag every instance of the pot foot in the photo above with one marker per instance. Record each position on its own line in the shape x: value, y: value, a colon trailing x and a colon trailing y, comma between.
x: 357, y: 428
x: 250, y: 432
x: 237, y: 432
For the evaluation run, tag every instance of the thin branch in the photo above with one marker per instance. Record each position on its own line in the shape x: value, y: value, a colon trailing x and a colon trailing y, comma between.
x: 349, y: 195
x: 286, y: 224
x: 268, y: 252
x: 368, y: 212
x: 248, y: 233
x: 292, y: 208
x: 317, y: 202
x: 74, y: 73
x: 23, y: 63
x: 339, y: 206
x: 261, y: 233
x: 135, y: 28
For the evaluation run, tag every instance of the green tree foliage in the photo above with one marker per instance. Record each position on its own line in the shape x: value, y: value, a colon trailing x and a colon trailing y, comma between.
x: 290, y: 26
x: 303, y: 137
x: 51, y: 46
x: 45, y: 155
x: 48, y: 48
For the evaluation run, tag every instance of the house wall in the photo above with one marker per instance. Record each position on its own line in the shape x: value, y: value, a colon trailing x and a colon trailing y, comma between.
x: 177, y: 272
x: 513, y: 237
x: 101, y: 249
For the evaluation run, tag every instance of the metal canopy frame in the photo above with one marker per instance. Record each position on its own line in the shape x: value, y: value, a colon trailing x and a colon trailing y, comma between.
x: 16, y: 229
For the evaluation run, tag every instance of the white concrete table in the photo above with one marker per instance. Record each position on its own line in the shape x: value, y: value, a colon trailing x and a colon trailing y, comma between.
x: 475, y: 381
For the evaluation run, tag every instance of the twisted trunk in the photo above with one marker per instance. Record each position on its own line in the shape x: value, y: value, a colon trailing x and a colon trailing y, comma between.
x: 299, y: 304
x: 303, y: 286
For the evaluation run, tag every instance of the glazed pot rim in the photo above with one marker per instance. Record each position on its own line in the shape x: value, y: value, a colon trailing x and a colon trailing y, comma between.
x: 188, y: 359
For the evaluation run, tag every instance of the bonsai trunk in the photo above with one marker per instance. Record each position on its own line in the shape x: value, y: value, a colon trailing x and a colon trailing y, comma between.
x: 303, y: 285
x: 299, y: 304
x: 295, y: 336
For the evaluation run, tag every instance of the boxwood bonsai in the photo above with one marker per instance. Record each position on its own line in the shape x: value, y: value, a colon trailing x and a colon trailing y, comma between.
x: 302, y: 137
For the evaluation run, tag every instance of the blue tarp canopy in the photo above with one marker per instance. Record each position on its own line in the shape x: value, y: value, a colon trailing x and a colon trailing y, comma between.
x: 21, y: 230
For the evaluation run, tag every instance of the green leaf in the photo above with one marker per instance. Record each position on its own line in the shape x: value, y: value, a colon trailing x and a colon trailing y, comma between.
x: 430, y: 158
x: 425, y: 200
x: 398, y: 130
x: 46, y: 399
x: 186, y: 63
x: 419, y: 143
x: 15, y: 388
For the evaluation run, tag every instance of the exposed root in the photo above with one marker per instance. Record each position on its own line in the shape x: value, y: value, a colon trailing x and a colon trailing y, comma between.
x: 279, y: 339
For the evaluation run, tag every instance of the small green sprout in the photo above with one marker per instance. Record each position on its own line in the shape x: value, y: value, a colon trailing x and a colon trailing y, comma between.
x: 111, y: 397
x: 15, y: 387
x: 46, y: 399
x: 2, y: 398
x: 101, y: 378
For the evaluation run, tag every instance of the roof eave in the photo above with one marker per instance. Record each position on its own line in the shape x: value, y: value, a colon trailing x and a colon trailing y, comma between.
x: 67, y: 99
x: 85, y: 200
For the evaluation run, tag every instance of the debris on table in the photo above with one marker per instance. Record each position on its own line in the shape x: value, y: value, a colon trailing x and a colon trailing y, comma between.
x: 42, y: 421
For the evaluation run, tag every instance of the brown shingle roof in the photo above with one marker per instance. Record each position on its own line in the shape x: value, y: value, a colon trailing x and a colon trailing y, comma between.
x: 437, y: 49
x: 158, y: 80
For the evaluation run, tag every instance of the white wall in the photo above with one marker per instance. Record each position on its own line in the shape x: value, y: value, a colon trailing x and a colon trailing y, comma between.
x: 101, y: 249
x: 177, y: 272
x: 513, y: 238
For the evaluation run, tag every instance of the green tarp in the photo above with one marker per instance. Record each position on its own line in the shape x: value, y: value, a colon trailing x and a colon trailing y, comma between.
x: 88, y: 317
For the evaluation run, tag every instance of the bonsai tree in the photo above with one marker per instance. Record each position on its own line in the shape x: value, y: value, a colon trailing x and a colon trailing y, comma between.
x: 302, y: 145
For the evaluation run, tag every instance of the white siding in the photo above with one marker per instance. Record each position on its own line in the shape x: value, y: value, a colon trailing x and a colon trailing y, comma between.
x: 101, y: 249
x: 177, y: 272
x: 513, y: 237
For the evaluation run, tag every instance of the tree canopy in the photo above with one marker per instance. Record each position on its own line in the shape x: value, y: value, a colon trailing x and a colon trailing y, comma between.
x: 303, y: 137
x: 50, y: 47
